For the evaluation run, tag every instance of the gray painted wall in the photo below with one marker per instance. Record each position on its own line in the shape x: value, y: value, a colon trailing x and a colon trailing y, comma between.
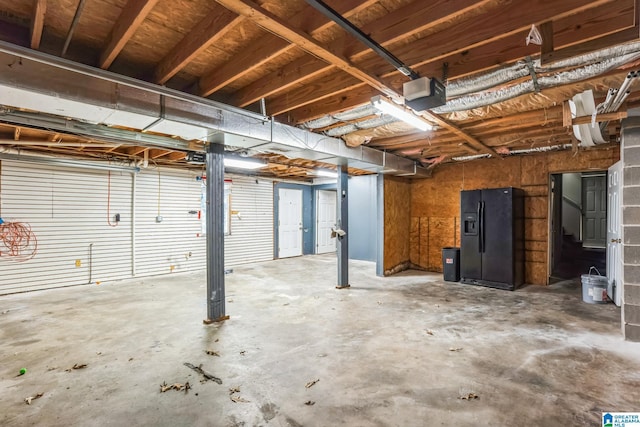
x: 363, y: 218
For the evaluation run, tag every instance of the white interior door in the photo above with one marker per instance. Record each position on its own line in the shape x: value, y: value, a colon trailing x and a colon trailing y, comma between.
x: 289, y: 222
x: 326, y: 219
x: 614, y: 234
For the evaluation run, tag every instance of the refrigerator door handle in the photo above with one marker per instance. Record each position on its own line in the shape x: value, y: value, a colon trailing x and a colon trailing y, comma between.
x: 481, y: 226
x: 479, y: 216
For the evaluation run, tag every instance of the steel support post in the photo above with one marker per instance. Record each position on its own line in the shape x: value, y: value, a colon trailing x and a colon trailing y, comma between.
x: 343, y: 224
x: 215, y: 234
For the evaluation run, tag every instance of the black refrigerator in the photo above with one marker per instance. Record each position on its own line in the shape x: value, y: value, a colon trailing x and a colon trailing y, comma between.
x: 492, y: 237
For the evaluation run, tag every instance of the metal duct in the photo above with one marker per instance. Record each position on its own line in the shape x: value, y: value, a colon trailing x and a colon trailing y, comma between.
x: 545, y: 82
x: 491, y: 79
x: 590, y: 58
x: 322, y: 122
x: 357, y: 113
x: 519, y: 70
x: 614, y: 57
x: 92, y: 100
x: 342, y: 130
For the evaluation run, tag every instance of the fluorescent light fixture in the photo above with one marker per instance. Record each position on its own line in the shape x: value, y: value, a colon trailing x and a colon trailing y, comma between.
x: 400, y: 113
x: 326, y: 173
x: 232, y: 162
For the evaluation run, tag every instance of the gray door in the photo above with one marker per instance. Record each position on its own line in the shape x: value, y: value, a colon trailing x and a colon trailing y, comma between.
x: 594, y: 216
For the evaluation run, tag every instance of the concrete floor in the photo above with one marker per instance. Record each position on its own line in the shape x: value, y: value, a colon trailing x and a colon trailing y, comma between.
x: 382, y: 352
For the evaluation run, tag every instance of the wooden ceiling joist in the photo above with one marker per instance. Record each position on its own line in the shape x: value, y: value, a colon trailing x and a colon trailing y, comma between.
x: 277, y: 25
x: 548, y: 55
x: 156, y: 153
x: 270, y: 46
x: 175, y: 156
x: 474, y: 142
x: 37, y: 22
x: 213, y: 27
x: 132, y: 16
x: 309, y: 67
x: 487, y: 29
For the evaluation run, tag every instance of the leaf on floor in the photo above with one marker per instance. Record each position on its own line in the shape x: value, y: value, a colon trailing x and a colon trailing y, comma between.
x: 311, y: 383
x: 429, y: 332
x: 29, y: 399
x: 212, y: 353
x: 176, y: 386
x: 234, y: 390
x: 217, y: 339
x: 455, y: 349
x: 309, y: 403
x: 77, y: 366
x: 469, y: 396
x: 238, y: 399
x: 243, y: 352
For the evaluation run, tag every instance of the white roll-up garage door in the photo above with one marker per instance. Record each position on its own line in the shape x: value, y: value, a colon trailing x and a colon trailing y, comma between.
x: 67, y: 210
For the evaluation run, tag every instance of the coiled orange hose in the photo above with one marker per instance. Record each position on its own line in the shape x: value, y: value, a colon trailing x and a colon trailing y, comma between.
x: 17, y: 241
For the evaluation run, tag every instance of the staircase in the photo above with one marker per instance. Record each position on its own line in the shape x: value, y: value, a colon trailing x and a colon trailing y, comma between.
x: 576, y: 259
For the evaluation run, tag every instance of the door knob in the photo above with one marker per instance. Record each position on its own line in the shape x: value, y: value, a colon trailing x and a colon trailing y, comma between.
x: 616, y: 240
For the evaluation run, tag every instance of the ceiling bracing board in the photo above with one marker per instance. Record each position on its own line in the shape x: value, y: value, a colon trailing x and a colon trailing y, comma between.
x: 37, y: 22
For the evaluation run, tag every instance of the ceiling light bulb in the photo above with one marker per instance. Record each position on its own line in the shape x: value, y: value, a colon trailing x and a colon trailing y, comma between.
x: 400, y: 113
x: 243, y: 163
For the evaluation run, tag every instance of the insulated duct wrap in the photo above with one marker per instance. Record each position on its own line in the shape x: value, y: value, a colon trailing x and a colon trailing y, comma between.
x: 561, y: 78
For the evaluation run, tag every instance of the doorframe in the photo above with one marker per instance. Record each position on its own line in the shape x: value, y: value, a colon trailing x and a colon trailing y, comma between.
x: 550, y: 214
x: 316, y: 216
x: 277, y: 219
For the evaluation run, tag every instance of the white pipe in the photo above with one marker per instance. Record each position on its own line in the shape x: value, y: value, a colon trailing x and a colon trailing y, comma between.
x: 623, y: 89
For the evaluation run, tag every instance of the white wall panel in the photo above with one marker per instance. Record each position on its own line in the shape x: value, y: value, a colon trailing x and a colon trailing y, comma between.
x: 251, y: 237
x: 175, y: 244
x: 67, y: 211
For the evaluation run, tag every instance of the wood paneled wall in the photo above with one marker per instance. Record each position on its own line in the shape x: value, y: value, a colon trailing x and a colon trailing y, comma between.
x: 397, y: 223
x: 435, y: 203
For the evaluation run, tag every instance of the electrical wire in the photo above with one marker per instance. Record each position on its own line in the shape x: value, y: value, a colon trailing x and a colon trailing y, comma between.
x: 109, y: 201
x: 17, y: 241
